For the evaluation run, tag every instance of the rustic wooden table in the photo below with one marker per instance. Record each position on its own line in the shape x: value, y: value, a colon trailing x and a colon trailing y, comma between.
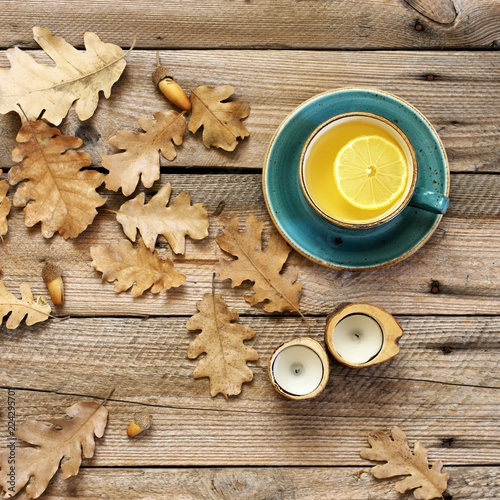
x: 443, y: 388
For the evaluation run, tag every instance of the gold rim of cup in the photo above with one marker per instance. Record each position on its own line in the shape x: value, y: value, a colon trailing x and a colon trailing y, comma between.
x: 397, y: 209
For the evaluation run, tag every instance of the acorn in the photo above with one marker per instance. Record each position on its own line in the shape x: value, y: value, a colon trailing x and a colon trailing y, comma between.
x: 51, y: 274
x: 164, y: 80
x: 141, y: 422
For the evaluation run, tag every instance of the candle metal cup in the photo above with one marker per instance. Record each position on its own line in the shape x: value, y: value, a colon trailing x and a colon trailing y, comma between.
x: 293, y: 365
x: 389, y: 326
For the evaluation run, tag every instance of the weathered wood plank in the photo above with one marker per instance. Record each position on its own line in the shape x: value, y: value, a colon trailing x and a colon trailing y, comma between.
x: 459, y: 101
x: 442, y: 388
x: 320, y: 432
x: 261, y: 23
x: 328, y: 483
x: 462, y: 255
x: 150, y: 363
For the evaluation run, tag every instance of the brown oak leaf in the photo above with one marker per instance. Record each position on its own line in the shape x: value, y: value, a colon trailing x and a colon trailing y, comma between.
x: 26, y: 307
x: 278, y: 291
x: 430, y: 482
x: 58, y: 441
x: 155, y: 218
x: 139, y: 269
x: 141, y: 151
x: 4, y: 206
x: 65, y: 197
x: 77, y: 76
x: 220, y: 120
x: 222, y: 339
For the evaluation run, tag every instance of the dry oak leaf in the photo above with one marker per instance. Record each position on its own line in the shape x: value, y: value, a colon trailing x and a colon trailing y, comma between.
x: 278, y: 291
x: 65, y: 197
x: 222, y: 339
x: 34, y: 311
x: 430, y: 482
x: 141, y: 151
x: 4, y: 206
x: 155, y: 218
x: 77, y: 76
x: 220, y: 120
x: 139, y: 269
x: 58, y: 440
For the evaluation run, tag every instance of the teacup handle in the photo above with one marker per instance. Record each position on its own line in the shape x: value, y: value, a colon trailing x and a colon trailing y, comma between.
x: 431, y: 201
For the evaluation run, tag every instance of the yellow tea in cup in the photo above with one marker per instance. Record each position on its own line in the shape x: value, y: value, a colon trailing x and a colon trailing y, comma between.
x: 358, y: 169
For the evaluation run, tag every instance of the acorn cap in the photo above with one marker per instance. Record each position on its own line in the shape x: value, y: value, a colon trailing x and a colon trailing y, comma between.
x: 160, y: 73
x: 50, y: 272
x: 141, y: 422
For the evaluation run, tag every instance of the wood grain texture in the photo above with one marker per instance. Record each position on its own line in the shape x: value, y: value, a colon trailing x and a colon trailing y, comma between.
x: 462, y: 256
x: 459, y: 100
x: 311, y: 434
x: 259, y: 23
x: 304, y: 483
x: 150, y: 365
x: 441, y: 11
x: 442, y: 388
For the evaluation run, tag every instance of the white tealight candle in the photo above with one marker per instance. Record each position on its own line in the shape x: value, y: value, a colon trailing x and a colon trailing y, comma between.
x: 298, y: 370
x: 357, y: 338
x: 360, y: 335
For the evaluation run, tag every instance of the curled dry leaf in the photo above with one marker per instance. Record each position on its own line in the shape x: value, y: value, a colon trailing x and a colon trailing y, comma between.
x: 430, y: 482
x: 139, y: 269
x: 278, y: 291
x: 222, y: 339
x: 65, y: 197
x: 58, y: 440
x: 155, y: 218
x: 141, y: 156
x: 77, y: 76
x: 220, y: 120
x: 4, y: 206
x: 26, y: 307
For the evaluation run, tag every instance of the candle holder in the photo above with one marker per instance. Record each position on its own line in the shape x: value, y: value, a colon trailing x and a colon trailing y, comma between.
x: 360, y: 335
x: 299, y: 369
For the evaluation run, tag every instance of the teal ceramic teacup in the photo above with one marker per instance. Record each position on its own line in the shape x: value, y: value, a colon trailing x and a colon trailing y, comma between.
x: 331, y: 244
x: 319, y: 179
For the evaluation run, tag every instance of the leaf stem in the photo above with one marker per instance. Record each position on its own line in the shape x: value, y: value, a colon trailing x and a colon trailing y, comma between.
x: 106, y: 399
x: 25, y: 305
x: 36, y: 138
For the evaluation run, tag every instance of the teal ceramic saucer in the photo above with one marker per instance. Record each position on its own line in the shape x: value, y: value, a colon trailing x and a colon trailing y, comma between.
x: 322, y: 241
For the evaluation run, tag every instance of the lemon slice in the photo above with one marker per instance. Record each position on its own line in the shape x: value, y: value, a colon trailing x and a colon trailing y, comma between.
x: 370, y: 172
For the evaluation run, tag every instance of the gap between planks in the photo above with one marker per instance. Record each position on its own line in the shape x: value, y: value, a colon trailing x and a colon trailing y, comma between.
x: 263, y: 48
